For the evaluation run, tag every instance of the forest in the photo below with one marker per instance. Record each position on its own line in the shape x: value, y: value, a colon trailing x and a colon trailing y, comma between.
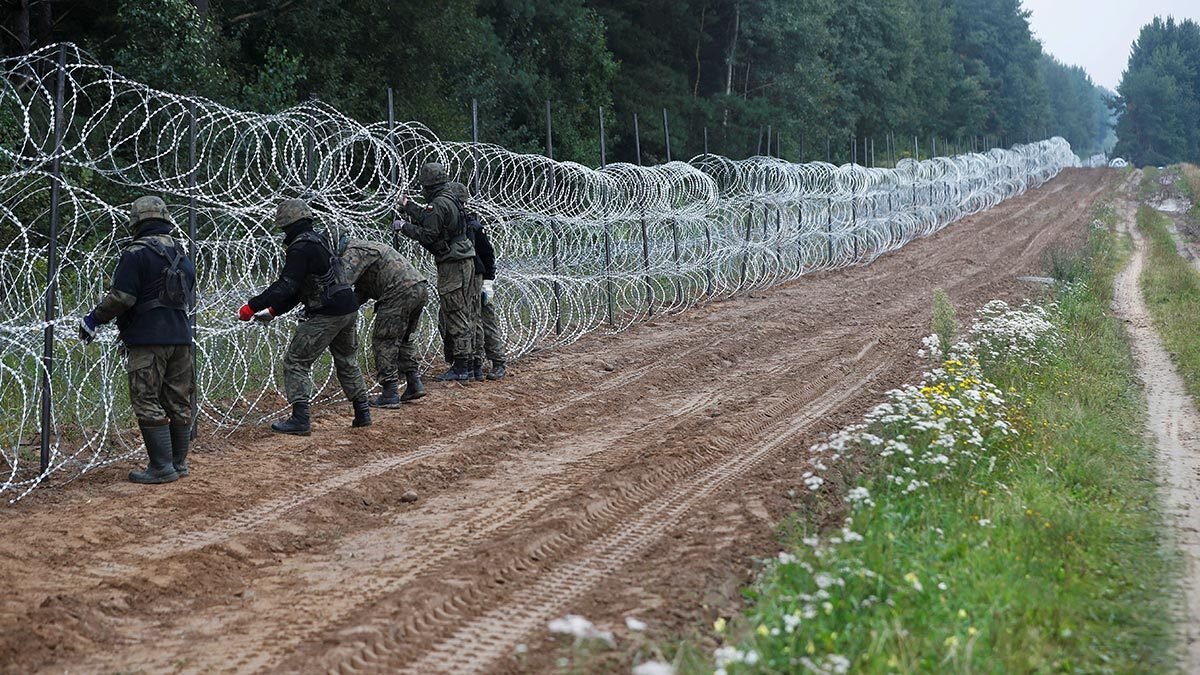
x: 821, y: 75
x: 1159, y: 105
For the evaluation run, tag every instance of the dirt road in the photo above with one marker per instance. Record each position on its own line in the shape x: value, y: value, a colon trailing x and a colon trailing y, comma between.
x: 1174, y: 424
x: 634, y: 475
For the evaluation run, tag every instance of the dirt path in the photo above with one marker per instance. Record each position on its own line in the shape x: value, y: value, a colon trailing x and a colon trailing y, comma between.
x: 1175, y: 425
x: 632, y: 475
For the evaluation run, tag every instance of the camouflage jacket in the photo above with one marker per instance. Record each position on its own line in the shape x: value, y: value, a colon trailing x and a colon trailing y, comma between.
x: 439, y: 226
x: 377, y: 270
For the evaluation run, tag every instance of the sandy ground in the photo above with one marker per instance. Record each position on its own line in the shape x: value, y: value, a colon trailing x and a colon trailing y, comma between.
x: 1174, y: 425
x: 632, y: 475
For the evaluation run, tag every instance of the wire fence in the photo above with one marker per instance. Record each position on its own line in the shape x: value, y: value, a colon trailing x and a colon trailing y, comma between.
x: 581, y: 249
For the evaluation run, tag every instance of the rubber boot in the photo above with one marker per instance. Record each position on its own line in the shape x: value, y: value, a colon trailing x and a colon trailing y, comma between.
x: 497, y: 371
x: 477, y: 370
x: 181, y: 442
x: 158, y: 447
x: 297, y: 424
x: 389, y: 398
x: 362, y: 414
x: 413, y: 389
x: 459, y: 372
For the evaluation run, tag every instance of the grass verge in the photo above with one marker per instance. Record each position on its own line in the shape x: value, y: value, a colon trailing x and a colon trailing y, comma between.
x: 1007, y: 520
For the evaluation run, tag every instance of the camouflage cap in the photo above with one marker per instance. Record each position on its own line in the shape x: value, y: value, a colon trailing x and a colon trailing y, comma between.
x: 291, y: 210
x: 148, y: 208
x: 433, y: 173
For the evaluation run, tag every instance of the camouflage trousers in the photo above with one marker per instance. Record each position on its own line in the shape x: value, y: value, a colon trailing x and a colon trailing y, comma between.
x: 489, y: 340
x: 161, y: 383
x: 396, y: 322
x: 458, y: 295
x: 313, y: 336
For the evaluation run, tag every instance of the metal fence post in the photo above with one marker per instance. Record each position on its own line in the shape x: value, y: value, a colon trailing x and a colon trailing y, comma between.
x: 706, y: 140
x: 829, y: 229
x: 553, y: 225
x: 608, y: 281
x: 52, y: 259
x: 475, y: 148
x: 310, y: 170
x: 192, y: 251
x: 674, y: 225
x: 667, y: 134
x: 637, y: 144
x: 393, y: 173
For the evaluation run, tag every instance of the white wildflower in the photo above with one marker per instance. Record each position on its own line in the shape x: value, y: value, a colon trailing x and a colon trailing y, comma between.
x: 654, y: 668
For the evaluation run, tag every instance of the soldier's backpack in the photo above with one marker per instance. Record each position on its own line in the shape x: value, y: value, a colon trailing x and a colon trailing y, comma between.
x: 472, y: 225
x: 172, y: 289
x: 338, y: 277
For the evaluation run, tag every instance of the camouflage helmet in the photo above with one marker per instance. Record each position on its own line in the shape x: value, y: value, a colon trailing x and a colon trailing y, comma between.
x: 148, y: 208
x: 290, y: 211
x: 433, y: 173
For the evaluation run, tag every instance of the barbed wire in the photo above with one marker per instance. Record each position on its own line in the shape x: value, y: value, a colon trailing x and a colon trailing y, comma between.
x: 580, y: 249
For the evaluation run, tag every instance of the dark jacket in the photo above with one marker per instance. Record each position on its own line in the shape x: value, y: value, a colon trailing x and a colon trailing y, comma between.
x: 137, y: 280
x: 438, y: 226
x: 304, y: 262
x: 485, y: 255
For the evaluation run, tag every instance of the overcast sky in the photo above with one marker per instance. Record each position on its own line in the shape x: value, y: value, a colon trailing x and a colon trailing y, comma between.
x: 1097, y: 34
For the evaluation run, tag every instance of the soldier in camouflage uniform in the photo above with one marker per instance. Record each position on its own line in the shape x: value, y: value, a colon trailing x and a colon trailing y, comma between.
x: 489, y: 340
x: 440, y: 229
x: 152, y: 294
x: 313, y: 274
x: 400, y: 292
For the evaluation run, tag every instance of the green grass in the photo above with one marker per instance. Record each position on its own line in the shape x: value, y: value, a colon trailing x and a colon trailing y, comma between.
x: 1044, y: 555
x: 1171, y: 287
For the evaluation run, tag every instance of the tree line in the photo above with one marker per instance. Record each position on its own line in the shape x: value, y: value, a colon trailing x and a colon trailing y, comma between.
x: 823, y: 75
x: 1159, y: 102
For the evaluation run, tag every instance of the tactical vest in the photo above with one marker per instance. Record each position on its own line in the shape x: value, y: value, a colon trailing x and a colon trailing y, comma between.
x: 455, y: 242
x: 318, y: 290
x: 172, y: 289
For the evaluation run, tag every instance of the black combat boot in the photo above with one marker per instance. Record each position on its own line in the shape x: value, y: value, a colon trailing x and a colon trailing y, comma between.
x: 497, y: 370
x: 362, y: 414
x: 413, y: 389
x: 390, y: 398
x: 297, y: 424
x: 477, y: 370
x: 181, y: 442
x: 158, y: 447
x: 459, y: 372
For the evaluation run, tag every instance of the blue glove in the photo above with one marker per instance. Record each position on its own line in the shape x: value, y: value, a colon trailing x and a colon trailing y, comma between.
x: 397, y: 225
x: 87, y: 328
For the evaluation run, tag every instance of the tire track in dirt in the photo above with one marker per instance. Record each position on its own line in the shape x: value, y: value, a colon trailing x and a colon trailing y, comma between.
x: 396, y: 557
x: 1174, y: 424
x: 262, y: 514
x: 477, y: 644
x: 388, y: 648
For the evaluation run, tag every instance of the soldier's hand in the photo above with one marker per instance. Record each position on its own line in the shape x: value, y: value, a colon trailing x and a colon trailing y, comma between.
x: 403, y: 201
x: 264, y: 315
x: 398, y: 224
x: 489, y: 290
x: 87, y: 328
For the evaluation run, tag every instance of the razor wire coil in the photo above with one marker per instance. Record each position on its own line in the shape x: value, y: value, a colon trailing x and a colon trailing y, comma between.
x: 579, y: 249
